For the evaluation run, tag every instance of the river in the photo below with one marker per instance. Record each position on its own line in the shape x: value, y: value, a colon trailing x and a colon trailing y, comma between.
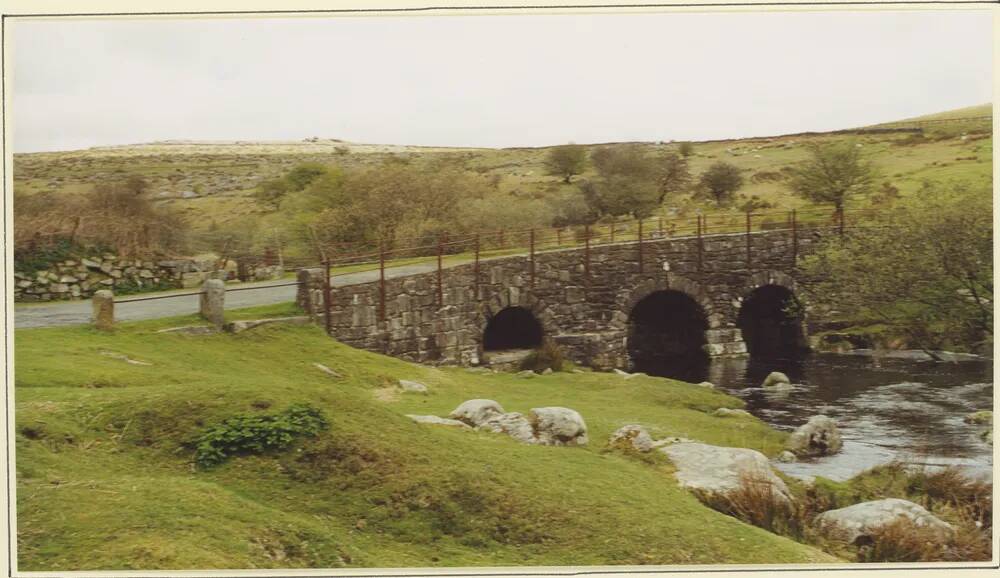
x: 886, y: 409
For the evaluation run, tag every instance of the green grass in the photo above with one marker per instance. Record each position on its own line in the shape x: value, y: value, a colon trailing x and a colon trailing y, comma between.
x: 105, y: 478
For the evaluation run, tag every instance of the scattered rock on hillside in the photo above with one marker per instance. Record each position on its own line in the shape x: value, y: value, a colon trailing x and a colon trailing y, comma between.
x: 412, y: 386
x: 721, y: 470
x: 476, y: 411
x: 558, y: 426
x: 326, y: 370
x: 817, y: 437
x: 706, y: 384
x: 435, y: 420
x: 787, y: 457
x: 526, y: 374
x: 862, y: 520
x: 776, y: 379
x: 980, y: 418
x: 626, y: 374
x: 631, y: 437
x: 190, y: 330
x: 513, y: 424
x: 728, y: 412
x: 125, y: 358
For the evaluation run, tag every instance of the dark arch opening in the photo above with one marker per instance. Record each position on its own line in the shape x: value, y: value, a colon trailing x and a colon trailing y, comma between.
x: 512, y: 328
x: 771, y: 322
x: 666, y: 336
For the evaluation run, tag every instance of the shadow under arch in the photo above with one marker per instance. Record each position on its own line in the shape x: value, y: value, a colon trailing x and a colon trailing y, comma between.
x: 666, y: 335
x: 512, y: 328
x: 771, y: 321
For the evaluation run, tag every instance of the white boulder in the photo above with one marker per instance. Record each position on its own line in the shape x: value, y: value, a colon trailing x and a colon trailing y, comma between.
x: 727, y: 412
x: 721, y: 470
x: 861, y: 520
x: 513, y: 424
x: 558, y: 426
x: 817, y: 437
x: 476, y: 411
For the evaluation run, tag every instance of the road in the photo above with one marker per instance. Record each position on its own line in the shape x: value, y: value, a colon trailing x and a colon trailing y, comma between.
x: 53, y: 314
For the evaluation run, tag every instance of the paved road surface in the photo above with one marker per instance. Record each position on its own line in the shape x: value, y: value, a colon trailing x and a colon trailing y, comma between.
x: 27, y: 315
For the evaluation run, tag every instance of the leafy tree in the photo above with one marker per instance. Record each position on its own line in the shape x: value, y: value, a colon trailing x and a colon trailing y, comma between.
x: 924, y: 271
x: 721, y: 181
x: 566, y: 161
x: 686, y: 149
x: 302, y: 175
x: 628, y: 182
x: 835, y: 172
x: 272, y: 191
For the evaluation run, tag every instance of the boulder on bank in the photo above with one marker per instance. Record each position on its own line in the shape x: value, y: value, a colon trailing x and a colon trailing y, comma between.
x: 727, y: 412
x: 513, y: 424
x: 631, y: 437
x: 476, y: 411
x: 862, y: 520
x: 721, y: 470
x: 787, y: 457
x: 706, y: 384
x: 776, y: 379
x: 817, y: 437
x: 558, y: 426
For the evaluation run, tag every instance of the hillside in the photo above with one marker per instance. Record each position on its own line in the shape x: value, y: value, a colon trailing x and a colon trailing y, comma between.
x: 215, y: 180
x: 105, y: 478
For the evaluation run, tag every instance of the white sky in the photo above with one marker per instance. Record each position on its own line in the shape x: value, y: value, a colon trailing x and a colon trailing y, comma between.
x: 489, y: 80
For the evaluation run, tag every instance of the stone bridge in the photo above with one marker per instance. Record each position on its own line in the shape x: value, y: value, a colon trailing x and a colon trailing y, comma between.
x: 626, y: 305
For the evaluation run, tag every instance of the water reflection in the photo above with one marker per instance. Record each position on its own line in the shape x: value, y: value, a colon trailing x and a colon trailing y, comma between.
x: 886, y: 409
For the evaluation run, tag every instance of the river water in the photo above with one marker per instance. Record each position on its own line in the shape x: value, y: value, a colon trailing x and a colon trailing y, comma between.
x: 886, y: 409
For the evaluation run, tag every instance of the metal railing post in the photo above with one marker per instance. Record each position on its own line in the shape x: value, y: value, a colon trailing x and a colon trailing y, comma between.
x: 558, y: 237
x: 795, y: 239
x: 381, y: 281
x: 612, y: 231
x: 840, y: 210
x: 749, y: 226
x: 475, y: 284
x: 327, y: 297
x: 531, y: 251
x: 640, y: 246
x: 440, y: 287
x: 700, y: 244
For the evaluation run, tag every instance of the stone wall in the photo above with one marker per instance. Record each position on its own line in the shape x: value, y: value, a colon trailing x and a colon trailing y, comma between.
x: 586, y: 314
x: 81, y: 278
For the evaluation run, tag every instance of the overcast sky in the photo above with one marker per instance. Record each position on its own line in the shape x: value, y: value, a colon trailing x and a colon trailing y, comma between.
x: 489, y: 80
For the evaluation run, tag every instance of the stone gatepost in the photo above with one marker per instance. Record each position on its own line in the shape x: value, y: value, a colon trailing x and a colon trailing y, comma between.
x: 104, y: 310
x: 213, y: 300
x: 309, y: 295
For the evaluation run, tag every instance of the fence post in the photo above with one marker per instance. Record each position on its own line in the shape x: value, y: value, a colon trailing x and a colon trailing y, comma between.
x: 501, y: 238
x: 586, y: 251
x: 661, y: 226
x: 381, y: 281
x: 104, y: 310
x: 795, y: 240
x: 440, y: 250
x: 840, y: 211
x: 640, y: 246
x: 700, y: 246
x: 475, y: 284
x: 327, y: 322
x: 558, y: 237
x: 749, y: 226
x: 212, y: 302
x: 531, y: 243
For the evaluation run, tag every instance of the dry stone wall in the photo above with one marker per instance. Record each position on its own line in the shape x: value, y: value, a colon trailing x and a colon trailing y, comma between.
x: 585, y: 310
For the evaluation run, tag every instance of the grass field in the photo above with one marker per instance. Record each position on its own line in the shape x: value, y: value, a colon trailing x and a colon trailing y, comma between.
x: 105, y: 478
x: 215, y: 181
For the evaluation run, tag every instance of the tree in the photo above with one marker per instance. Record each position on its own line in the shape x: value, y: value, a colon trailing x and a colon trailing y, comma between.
x: 566, y: 161
x: 628, y: 182
x: 674, y: 176
x: 272, y: 191
x: 923, y: 272
x: 721, y: 181
x: 833, y: 174
x: 686, y: 149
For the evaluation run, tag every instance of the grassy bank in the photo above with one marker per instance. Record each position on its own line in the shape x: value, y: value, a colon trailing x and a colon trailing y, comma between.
x: 105, y: 475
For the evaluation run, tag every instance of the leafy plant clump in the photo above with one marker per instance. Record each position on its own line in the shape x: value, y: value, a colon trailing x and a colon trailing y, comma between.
x: 548, y: 356
x: 255, y: 434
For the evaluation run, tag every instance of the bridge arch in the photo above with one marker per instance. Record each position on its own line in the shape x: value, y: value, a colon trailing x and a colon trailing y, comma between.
x: 513, y: 319
x: 666, y: 334
x: 667, y: 282
x: 771, y: 318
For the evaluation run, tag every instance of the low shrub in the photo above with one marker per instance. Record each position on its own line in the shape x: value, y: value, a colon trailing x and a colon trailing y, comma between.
x: 548, y: 356
x: 255, y: 434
